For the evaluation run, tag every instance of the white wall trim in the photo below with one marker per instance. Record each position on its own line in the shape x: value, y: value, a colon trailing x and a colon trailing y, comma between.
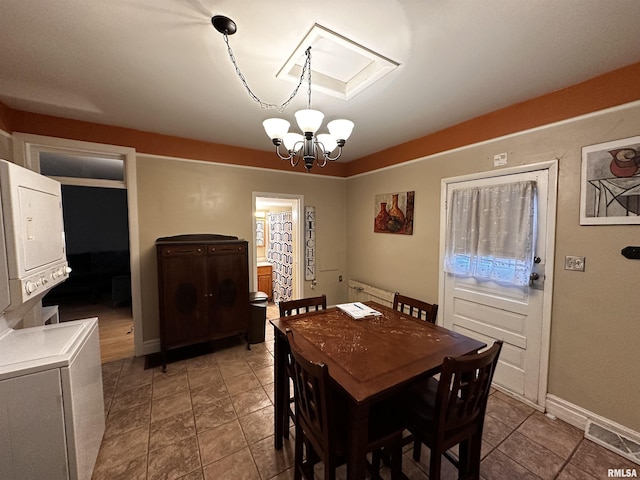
x: 232, y: 165
x: 597, y: 113
x: 579, y: 417
x: 151, y: 346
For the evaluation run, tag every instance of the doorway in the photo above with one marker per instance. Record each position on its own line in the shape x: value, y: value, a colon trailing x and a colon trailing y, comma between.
x: 277, y: 232
x: 107, y: 174
x: 488, y: 309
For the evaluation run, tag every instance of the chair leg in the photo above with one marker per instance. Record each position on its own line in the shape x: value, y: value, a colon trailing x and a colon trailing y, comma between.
x: 435, y: 465
x: 298, y: 455
x: 396, y: 461
x: 375, y: 460
x: 287, y: 408
x: 470, y: 453
x: 310, y: 461
x: 417, y: 445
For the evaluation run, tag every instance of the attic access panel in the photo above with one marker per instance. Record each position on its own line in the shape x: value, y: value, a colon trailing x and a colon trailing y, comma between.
x: 339, y: 66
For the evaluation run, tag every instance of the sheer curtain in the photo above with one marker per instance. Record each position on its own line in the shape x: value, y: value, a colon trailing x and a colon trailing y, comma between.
x: 491, y: 232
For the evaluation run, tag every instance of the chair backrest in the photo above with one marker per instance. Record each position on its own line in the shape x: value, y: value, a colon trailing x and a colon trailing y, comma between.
x: 463, y: 390
x: 415, y: 308
x: 303, y: 305
x: 312, y: 396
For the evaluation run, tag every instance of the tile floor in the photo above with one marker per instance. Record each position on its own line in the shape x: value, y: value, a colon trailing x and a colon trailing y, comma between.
x: 211, y: 417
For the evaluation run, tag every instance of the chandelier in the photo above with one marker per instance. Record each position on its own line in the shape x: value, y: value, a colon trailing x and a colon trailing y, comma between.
x: 308, y: 146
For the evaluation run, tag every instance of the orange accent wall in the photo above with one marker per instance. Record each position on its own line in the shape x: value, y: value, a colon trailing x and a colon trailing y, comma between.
x: 614, y: 88
x: 153, y: 143
x: 611, y: 89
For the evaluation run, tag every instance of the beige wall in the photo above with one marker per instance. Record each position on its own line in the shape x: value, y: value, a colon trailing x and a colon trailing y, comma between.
x: 6, y: 146
x: 177, y: 197
x: 595, y: 326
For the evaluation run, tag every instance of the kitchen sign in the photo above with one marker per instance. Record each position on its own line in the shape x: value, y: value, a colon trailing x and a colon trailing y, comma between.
x: 309, y: 243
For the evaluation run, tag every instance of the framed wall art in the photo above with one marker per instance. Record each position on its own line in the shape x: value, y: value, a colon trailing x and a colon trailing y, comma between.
x: 394, y: 213
x: 610, y: 183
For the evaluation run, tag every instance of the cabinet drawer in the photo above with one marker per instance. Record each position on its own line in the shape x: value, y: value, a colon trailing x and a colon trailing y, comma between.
x: 217, y: 249
x: 178, y: 250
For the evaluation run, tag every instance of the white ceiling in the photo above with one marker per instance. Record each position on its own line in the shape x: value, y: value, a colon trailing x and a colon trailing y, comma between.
x: 159, y: 66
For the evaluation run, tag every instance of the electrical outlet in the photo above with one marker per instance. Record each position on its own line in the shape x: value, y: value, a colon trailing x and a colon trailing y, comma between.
x: 339, y: 278
x: 573, y: 263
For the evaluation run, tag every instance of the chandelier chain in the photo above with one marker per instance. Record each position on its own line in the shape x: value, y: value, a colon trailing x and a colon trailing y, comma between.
x: 280, y: 108
x: 308, y: 53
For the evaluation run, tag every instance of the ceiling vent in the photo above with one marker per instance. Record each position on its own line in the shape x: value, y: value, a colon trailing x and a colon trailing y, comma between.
x: 341, y: 67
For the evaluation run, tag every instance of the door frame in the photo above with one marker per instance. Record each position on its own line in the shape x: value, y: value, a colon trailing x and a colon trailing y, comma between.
x: 27, y: 148
x: 552, y: 199
x: 297, y: 203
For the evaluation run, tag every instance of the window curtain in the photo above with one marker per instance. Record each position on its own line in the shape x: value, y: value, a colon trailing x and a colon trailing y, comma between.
x: 280, y: 254
x: 491, y: 232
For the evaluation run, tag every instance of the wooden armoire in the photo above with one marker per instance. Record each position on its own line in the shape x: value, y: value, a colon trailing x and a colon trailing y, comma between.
x: 203, y: 289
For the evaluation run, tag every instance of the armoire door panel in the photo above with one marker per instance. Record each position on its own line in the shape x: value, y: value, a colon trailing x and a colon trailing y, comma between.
x: 229, y: 288
x: 184, y: 299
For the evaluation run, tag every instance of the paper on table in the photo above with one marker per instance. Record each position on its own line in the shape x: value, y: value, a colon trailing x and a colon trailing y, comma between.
x: 358, y: 310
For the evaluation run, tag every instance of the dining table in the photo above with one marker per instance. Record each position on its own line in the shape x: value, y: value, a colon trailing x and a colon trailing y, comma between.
x: 369, y: 360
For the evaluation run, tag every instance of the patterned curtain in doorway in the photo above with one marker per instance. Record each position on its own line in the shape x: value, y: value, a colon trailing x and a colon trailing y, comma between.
x: 280, y: 254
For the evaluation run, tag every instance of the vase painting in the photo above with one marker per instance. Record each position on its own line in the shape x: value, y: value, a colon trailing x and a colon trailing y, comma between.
x: 394, y: 213
x: 610, y: 183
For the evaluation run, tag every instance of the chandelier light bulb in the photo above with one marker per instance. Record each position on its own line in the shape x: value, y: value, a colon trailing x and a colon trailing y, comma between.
x: 328, y: 142
x: 292, y: 140
x: 309, y: 120
x: 340, y: 129
x: 276, y: 127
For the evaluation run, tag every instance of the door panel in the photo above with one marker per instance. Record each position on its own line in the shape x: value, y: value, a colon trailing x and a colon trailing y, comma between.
x: 511, y: 364
x: 228, y: 281
x: 488, y: 311
x: 183, y: 295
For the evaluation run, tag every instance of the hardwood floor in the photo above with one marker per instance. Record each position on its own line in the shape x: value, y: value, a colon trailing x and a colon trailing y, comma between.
x: 115, y: 325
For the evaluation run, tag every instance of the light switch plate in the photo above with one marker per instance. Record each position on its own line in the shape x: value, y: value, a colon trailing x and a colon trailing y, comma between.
x: 573, y: 263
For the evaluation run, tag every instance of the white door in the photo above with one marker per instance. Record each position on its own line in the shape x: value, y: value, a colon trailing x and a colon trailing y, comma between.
x: 486, y: 310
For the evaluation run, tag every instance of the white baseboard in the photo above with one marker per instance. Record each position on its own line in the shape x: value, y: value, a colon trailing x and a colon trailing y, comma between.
x: 583, y: 419
x: 567, y: 412
x: 151, y: 346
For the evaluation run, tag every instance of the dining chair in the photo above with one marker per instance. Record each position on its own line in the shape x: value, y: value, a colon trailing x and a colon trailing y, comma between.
x: 415, y: 308
x: 303, y: 305
x: 451, y: 411
x: 321, y: 419
x: 296, y: 307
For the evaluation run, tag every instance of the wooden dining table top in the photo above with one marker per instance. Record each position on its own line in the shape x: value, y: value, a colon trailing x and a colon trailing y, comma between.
x: 374, y: 356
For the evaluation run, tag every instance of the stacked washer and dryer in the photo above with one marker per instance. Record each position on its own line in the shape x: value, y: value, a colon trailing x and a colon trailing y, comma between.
x: 51, y: 397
